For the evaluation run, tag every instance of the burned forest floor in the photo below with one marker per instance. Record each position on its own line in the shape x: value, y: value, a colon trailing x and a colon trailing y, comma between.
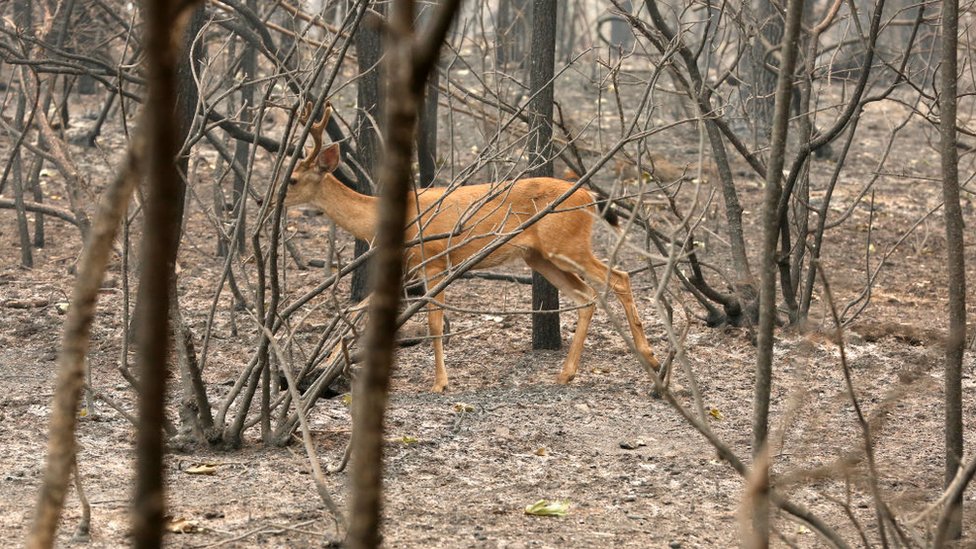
x: 462, y: 466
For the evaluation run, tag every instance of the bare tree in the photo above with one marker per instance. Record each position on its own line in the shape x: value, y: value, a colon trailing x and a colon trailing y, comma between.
x: 164, y: 214
x: 771, y: 222
x: 74, y: 348
x: 760, y: 74
x: 955, y: 259
x: 369, y: 93
x: 24, y: 19
x: 427, y: 121
x: 242, y: 148
x: 512, y: 33
x: 545, y: 296
x: 409, y: 61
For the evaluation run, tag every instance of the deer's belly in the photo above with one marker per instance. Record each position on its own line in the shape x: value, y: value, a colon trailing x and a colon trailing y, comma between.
x: 501, y: 256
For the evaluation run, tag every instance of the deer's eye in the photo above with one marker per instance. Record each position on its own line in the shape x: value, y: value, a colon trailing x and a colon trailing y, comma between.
x: 292, y: 181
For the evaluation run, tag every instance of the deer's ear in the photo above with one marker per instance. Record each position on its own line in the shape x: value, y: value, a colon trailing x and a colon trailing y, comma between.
x: 329, y: 158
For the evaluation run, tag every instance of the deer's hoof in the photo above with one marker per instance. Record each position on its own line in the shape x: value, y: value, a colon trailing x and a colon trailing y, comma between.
x: 438, y: 387
x: 564, y: 379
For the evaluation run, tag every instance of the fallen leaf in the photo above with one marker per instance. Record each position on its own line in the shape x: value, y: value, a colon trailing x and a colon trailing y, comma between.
x: 180, y: 525
x: 715, y: 413
x: 632, y: 444
x: 201, y: 469
x: 347, y: 399
x: 460, y: 407
x: 546, y: 508
x: 541, y: 451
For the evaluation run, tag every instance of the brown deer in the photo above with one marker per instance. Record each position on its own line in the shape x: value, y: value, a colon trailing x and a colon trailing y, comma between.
x: 557, y: 246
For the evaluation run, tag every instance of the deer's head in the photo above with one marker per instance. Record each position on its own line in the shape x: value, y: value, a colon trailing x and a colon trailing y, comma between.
x: 309, y: 177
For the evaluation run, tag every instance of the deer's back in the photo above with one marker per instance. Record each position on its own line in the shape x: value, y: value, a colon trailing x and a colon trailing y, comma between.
x: 474, y: 215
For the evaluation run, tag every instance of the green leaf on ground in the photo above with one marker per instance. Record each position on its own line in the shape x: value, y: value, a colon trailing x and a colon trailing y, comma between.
x: 546, y: 508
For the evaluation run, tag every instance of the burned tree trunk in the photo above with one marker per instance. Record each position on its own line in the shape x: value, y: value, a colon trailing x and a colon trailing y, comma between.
x: 370, y: 111
x: 545, y: 296
x: 171, y: 103
x: 427, y: 124
x: 409, y: 63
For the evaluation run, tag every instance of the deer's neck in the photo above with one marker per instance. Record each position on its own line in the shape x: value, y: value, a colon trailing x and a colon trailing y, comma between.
x: 352, y: 211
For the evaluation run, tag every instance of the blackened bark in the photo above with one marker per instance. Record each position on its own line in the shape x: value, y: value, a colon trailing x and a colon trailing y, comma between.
x: 23, y: 18
x: 427, y: 123
x: 621, y: 35
x: 370, y: 112
x: 545, y: 296
x: 427, y: 133
x: 242, y: 148
x: 512, y: 30
x: 566, y: 29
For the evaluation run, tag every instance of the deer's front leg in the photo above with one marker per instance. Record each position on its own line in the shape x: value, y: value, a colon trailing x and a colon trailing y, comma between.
x: 435, y: 325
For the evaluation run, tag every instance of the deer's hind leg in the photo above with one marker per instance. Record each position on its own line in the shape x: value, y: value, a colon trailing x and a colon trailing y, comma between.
x: 572, y: 286
x: 596, y: 272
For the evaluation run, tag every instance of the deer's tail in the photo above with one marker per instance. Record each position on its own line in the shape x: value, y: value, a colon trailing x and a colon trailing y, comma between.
x: 608, y: 212
x: 604, y: 206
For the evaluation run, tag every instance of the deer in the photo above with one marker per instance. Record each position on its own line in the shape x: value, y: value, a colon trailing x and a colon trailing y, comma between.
x: 557, y: 246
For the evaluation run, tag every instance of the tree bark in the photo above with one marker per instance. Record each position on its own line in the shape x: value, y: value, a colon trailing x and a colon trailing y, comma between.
x: 771, y: 221
x: 408, y: 65
x: 955, y: 259
x: 511, y: 28
x: 427, y: 123
x: 164, y: 209
x: 369, y: 99
x: 427, y: 133
x: 621, y: 35
x: 760, y: 81
x: 242, y: 148
x: 545, y: 296
x: 23, y: 17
